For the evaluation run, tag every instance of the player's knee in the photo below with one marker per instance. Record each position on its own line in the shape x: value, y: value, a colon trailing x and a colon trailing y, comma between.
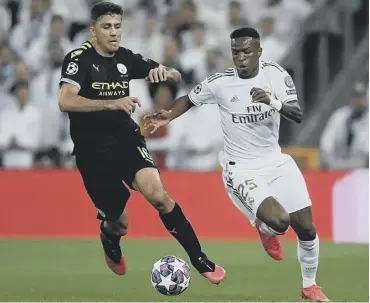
x: 154, y: 194
x: 280, y: 223
x: 273, y: 214
x: 307, y: 234
x: 158, y: 197
x: 165, y: 205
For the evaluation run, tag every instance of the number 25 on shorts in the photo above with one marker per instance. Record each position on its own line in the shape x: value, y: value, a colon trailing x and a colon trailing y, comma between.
x: 244, y: 189
x: 251, y: 183
x: 145, y: 154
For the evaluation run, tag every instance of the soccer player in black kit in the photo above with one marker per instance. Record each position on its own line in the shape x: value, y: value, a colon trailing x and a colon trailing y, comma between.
x: 108, y: 145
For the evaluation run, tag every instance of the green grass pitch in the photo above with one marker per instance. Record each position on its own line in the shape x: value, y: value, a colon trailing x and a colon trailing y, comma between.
x: 76, y: 271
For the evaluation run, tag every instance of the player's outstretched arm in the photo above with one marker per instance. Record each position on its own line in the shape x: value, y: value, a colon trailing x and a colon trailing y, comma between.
x: 180, y: 106
x: 70, y: 101
x: 161, y: 117
x: 289, y: 110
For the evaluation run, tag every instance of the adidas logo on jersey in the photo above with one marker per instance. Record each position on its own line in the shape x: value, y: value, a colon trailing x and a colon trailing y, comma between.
x: 234, y: 99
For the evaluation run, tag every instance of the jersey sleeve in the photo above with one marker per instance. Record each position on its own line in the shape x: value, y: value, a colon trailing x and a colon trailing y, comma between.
x: 141, y: 66
x: 283, y: 85
x: 73, y: 71
x: 202, y: 94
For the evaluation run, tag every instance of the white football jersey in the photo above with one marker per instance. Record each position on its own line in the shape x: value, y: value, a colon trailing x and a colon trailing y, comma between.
x: 251, y: 130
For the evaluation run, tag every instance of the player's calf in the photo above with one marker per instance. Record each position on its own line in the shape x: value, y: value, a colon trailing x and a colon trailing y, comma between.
x: 158, y: 197
x: 308, y: 251
x: 147, y: 181
x: 273, y: 220
x: 301, y: 222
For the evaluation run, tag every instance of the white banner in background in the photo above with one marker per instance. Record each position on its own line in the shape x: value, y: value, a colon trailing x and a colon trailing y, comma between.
x: 351, y: 208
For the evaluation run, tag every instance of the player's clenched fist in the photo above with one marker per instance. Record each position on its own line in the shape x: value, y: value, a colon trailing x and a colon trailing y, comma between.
x: 163, y: 73
x: 158, y: 74
x: 127, y: 104
x: 157, y: 119
x: 259, y: 95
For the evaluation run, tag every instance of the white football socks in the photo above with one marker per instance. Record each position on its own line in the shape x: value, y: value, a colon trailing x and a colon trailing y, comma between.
x: 308, y: 256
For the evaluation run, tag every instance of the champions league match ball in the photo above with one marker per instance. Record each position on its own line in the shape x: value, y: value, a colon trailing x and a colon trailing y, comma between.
x: 170, y: 276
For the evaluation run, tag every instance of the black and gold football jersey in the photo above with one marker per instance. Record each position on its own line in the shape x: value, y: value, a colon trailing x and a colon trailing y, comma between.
x: 102, y: 78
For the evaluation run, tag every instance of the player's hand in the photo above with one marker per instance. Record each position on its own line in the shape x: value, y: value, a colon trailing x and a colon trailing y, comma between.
x: 127, y: 104
x: 157, y: 75
x: 157, y: 119
x: 259, y: 95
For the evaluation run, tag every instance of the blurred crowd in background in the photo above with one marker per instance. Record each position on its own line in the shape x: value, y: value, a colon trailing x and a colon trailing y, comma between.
x: 190, y: 35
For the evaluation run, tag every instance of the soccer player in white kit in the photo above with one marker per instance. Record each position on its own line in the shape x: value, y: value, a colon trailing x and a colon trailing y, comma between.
x: 263, y: 183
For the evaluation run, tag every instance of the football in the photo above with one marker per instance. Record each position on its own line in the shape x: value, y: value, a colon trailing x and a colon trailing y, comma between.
x: 170, y: 276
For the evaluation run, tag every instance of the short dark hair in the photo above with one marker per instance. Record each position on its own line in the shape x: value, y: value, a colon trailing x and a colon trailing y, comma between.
x: 104, y: 8
x: 245, y: 32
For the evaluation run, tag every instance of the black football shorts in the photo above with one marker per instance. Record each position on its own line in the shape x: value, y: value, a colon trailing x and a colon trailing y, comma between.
x: 103, y: 174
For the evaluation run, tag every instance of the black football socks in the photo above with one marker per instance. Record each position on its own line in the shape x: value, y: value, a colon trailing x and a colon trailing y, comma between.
x: 110, y: 244
x: 181, y: 229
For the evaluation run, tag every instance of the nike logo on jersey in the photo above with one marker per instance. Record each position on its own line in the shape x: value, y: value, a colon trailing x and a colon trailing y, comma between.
x: 96, y: 67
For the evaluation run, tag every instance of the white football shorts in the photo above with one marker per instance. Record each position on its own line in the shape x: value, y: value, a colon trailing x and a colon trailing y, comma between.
x: 248, y: 188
